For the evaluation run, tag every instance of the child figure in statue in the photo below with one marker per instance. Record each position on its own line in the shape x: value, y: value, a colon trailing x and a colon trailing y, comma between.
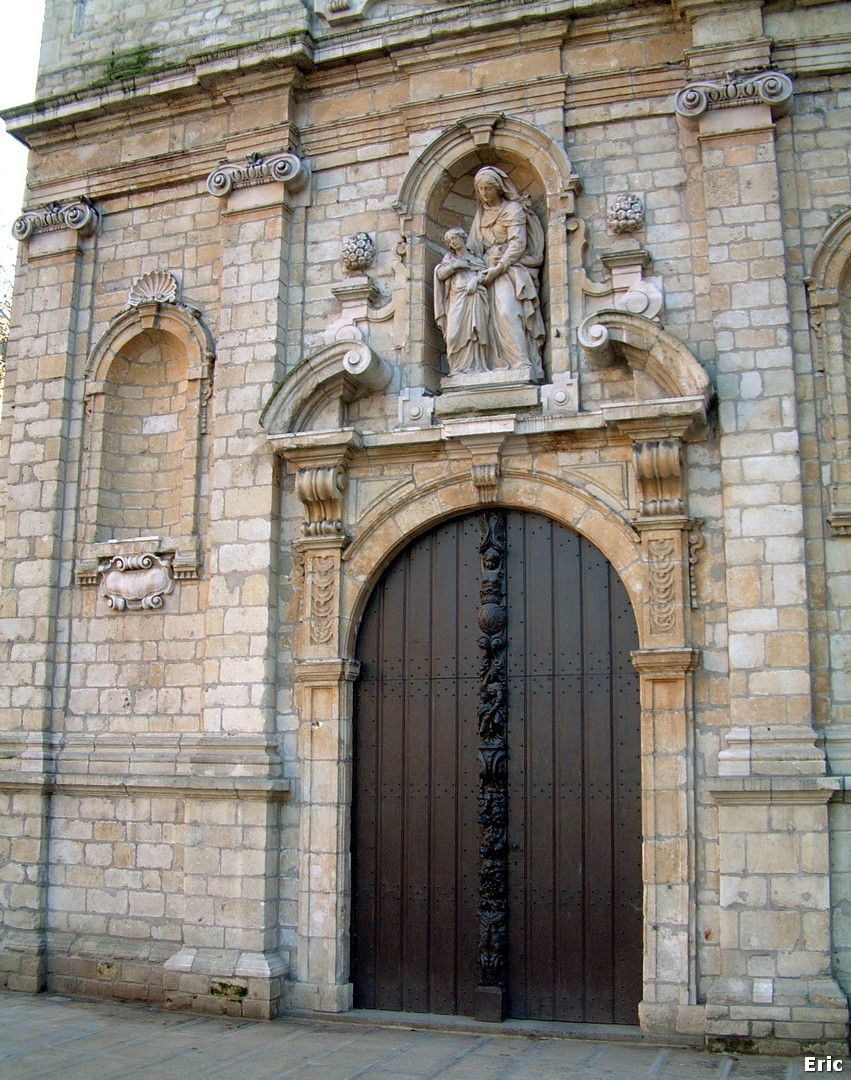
x: 461, y: 306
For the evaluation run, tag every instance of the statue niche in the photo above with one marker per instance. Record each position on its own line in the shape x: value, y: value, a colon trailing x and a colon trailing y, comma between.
x: 487, y: 299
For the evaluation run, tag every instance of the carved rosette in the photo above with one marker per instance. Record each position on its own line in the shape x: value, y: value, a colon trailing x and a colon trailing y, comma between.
x: 284, y: 168
x: 136, y: 582
x: 772, y: 88
x: 77, y: 214
x: 493, y: 775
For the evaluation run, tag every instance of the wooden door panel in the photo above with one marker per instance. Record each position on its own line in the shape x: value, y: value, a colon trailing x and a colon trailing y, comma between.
x: 574, y: 922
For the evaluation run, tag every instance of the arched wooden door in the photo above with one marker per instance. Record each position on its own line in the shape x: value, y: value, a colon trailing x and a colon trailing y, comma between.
x: 573, y: 938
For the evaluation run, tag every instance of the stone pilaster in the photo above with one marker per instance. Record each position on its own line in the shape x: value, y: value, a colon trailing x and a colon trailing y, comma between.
x: 40, y: 392
x: 244, y: 490
x: 776, y: 987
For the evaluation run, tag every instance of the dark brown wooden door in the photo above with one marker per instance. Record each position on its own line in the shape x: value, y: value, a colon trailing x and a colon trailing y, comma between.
x: 574, y: 902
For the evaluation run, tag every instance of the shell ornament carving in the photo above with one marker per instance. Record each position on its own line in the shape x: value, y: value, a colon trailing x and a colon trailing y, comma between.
x: 158, y: 287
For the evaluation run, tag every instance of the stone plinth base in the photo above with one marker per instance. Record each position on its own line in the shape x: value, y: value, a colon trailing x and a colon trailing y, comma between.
x: 23, y: 962
x: 313, y: 997
x: 777, y: 1016
x: 225, y: 982
x: 483, y: 380
x: 673, y: 1019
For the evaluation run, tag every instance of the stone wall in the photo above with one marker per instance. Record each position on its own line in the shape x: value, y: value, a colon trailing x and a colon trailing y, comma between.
x: 216, y: 436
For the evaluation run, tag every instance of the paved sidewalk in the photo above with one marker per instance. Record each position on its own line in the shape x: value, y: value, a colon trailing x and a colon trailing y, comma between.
x: 49, y: 1037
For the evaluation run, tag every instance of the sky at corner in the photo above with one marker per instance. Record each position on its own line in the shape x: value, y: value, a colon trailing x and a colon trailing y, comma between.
x: 22, y: 21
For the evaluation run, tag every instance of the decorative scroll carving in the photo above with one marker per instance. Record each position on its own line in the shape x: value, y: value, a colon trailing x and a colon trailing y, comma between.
x: 626, y: 213
x: 358, y: 252
x: 493, y: 777
x: 159, y: 287
x: 283, y: 168
x: 658, y: 466
x: 772, y: 88
x: 662, y: 569
x: 323, y: 593
x: 321, y: 490
x: 77, y: 214
x: 137, y: 582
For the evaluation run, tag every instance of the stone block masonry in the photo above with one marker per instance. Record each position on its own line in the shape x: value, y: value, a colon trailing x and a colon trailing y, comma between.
x: 218, y: 434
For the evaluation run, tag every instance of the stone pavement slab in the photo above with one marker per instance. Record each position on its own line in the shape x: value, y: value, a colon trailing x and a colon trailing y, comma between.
x: 49, y: 1037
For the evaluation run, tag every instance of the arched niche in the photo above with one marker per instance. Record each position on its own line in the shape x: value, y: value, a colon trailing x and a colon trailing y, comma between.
x: 829, y: 284
x: 437, y: 193
x: 148, y: 381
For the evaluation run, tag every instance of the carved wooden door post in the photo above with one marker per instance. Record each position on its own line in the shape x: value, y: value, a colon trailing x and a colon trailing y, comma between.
x: 493, y: 775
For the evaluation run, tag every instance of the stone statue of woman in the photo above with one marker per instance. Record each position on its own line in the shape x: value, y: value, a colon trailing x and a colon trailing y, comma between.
x: 507, y: 234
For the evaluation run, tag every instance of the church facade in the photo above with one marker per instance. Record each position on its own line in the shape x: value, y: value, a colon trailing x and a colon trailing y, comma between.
x: 427, y: 507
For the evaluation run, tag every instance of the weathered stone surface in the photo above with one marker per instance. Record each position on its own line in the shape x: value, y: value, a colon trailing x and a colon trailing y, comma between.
x: 265, y: 427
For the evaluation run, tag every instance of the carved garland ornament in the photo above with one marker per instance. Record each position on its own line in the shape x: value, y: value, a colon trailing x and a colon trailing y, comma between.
x: 663, y: 617
x: 493, y: 763
x: 323, y: 592
x: 77, y: 214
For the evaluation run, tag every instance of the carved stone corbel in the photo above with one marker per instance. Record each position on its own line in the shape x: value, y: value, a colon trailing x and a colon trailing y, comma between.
x: 321, y: 489
x: 485, y: 440
x: 658, y: 469
x: 319, y: 461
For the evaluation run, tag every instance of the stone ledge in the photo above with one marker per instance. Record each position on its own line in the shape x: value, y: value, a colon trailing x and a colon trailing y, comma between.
x: 238, y: 787
x: 732, y: 790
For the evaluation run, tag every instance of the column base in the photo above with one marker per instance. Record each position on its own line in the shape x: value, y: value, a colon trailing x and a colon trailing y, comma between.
x: 225, y: 981
x: 777, y: 1016
x: 316, y: 997
x: 672, y: 1019
x: 23, y: 961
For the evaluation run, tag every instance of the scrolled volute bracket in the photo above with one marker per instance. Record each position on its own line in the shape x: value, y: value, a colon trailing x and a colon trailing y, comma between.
x: 284, y: 168
x: 772, y: 88
x: 79, y: 215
